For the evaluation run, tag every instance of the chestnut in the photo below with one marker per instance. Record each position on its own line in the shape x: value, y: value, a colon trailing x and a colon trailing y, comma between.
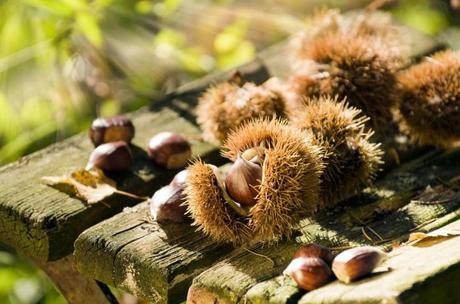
x: 243, y: 180
x: 110, y: 129
x: 167, y: 204
x: 169, y: 150
x: 114, y: 156
x: 309, y: 272
x: 316, y: 251
x: 180, y: 178
x: 355, y: 263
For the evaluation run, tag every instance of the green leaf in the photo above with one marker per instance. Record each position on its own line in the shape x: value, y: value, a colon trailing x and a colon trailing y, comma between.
x: 191, y: 59
x: 101, y: 4
x: 14, y: 35
x: 166, y: 8
x: 77, y: 5
x: 242, y: 54
x: 231, y: 37
x: 51, y: 6
x: 170, y: 37
x: 109, y: 107
x: 144, y: 7
x: 35, y: 111
x: 9, y: 122
x: 422, y: 17
x: 88, y: 25
x: 8, y: 278
x: 17, y: 146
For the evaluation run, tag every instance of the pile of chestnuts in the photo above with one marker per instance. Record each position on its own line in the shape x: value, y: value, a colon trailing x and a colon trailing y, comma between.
x: 112, y: 137
x: 314, y: 265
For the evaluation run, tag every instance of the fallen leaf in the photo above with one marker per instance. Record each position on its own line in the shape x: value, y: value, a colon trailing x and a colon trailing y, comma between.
x: 437, y: 195
x: 421, y: 239
x: 91, y: 186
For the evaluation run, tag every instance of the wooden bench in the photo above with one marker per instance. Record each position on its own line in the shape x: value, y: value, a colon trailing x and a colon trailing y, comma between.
x: 115, y: 243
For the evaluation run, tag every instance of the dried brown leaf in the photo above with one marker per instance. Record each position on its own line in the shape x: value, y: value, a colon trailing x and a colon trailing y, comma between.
x: 421, y: 239
x: 91, y: 186
x: 437, y: 195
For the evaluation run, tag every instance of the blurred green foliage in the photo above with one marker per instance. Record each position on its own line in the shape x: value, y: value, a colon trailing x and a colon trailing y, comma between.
x: 62, y: 63
x: 426, y: 16
x: 21, y: 282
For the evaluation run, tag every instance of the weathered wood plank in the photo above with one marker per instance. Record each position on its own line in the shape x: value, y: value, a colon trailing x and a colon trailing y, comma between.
x: 43, y: 223
x: 282, y: 289
x: 230, y: 279
x: 153, y: 261
x: 417, y: 275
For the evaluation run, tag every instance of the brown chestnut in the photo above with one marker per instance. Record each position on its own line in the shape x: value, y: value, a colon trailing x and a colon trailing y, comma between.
x: 355, y: 263
x: 167, y: 204
x: 110, y: 129
x: 169, y: 150
x: 243, y: 180
x: 316, y: 251
x: 180, y: 178
x: 114, y: 156
x: 309, y: 273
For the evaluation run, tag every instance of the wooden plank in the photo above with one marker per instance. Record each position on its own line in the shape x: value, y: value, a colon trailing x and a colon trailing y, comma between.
x: 229, y: 280
x: 418, y: 275
x: 43, y: 223
x: 152, y: 261
x: 281, y: 289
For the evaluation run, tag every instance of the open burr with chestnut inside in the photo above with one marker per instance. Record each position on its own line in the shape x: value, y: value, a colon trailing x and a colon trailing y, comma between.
x: 273, y: 182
